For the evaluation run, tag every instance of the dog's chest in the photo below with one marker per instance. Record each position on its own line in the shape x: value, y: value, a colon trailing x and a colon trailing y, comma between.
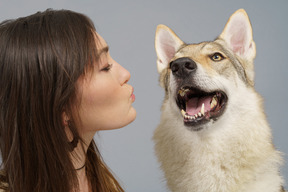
x: 193, y: 165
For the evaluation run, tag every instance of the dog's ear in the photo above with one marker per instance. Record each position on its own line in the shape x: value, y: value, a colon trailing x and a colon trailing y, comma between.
x: 238, y: 35
x: 166, y: 45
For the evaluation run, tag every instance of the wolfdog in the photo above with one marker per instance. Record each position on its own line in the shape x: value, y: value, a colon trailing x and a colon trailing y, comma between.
x: 213, y: 135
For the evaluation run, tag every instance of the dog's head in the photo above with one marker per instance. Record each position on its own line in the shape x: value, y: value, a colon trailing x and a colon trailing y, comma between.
x: 199, y: 78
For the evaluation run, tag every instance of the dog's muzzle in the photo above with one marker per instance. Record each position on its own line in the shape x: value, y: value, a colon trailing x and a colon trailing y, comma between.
x: 197, y: 106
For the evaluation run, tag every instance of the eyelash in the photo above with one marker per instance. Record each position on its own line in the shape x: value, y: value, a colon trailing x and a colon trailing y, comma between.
x: 107, y: 68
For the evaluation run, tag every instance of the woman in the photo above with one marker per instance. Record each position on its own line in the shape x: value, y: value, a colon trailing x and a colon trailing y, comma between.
x: 59, y: 86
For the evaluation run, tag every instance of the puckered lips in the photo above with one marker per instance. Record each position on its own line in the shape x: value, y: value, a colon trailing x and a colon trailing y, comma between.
x: 199, y: 107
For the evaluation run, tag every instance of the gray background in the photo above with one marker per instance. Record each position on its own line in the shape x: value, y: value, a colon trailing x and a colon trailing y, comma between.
x: 129, y: 28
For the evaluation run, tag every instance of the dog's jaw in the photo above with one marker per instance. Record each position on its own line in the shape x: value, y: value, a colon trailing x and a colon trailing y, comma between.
x: 198, y: 107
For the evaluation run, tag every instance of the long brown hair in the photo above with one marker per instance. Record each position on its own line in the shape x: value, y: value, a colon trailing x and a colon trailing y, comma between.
x: 41, y: 58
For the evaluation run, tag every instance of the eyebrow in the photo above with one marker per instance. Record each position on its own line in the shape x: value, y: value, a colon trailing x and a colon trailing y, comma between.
x: 103, y: 50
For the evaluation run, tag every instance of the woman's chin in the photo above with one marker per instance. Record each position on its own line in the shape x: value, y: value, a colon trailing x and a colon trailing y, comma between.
x: 129, y: 119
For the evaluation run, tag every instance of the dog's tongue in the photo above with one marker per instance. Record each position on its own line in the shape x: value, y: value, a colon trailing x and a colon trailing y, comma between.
x: 194, y: 105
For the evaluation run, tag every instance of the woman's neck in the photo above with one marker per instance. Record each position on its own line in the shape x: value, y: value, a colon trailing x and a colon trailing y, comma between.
x: 84, y: 185
x: 78, y: 156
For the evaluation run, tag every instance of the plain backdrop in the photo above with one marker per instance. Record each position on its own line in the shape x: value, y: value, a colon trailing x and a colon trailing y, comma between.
x: 129, y: 26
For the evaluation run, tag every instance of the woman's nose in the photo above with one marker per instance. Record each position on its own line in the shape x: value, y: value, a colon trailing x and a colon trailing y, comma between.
x: 124, y: 75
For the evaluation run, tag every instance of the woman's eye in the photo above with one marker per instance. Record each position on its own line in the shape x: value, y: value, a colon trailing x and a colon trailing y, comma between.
x: 217, y: 57
x: 107, y: 68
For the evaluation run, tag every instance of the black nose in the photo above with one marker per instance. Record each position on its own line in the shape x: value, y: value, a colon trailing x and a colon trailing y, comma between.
x: 183, y: 66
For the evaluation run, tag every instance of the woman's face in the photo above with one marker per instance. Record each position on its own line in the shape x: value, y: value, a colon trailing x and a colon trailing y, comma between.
x: 105, y: 97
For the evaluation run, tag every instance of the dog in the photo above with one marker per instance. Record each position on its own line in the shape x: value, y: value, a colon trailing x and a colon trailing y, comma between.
x: 213, y: 135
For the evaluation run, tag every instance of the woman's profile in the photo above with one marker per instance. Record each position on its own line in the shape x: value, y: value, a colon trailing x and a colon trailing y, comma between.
x: 59, y: 86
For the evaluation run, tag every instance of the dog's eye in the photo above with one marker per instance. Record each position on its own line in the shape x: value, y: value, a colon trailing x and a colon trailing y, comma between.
x: 217, y: 57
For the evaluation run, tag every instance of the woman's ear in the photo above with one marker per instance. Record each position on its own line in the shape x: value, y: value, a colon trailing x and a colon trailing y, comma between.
x: 65, y: 119
x: 66, y: 122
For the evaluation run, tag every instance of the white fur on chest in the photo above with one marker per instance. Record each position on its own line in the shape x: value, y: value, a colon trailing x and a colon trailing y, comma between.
x: 228, y: 156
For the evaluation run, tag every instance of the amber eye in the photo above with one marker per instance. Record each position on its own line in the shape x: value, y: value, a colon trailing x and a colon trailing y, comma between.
x: 217, y: 57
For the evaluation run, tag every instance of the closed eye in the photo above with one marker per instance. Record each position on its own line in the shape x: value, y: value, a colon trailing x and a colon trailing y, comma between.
x: 107, y: 68
x: 217, y: 57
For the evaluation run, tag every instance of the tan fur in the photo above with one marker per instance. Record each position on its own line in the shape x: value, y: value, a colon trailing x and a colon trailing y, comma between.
x: 234, y: 153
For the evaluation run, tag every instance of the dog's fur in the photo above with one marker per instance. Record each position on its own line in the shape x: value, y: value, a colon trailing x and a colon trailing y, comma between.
x: 232, y: 152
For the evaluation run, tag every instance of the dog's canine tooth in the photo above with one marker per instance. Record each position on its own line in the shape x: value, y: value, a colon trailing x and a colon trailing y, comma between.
x: 203, y: 109
x: 183, y: 112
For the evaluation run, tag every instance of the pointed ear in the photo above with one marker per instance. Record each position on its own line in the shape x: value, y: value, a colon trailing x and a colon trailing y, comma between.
x: 167, y: 44
x: 238, y: 35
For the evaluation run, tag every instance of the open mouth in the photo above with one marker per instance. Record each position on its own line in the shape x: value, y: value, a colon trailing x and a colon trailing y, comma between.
x: 199, y: 107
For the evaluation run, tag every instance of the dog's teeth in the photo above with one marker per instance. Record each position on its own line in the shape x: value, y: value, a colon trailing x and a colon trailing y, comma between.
x: 199, y: 114
x: 183, y: 112
x: 203, y: 109
x: 213, y: 102
x: 182, y: 92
